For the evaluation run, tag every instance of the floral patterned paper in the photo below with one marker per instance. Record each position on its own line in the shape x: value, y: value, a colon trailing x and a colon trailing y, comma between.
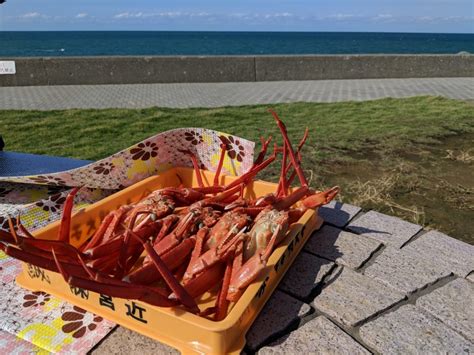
x: 36, y: 322
x: 11, y: 344
x: 39, y: 199
x: 46, y: 323
x: 151, y: 156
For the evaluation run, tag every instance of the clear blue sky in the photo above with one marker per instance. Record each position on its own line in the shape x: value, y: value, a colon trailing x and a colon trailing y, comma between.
x: 241, y: 15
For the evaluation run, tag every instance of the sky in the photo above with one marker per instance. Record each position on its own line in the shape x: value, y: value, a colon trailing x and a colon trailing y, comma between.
x: 439, y: 16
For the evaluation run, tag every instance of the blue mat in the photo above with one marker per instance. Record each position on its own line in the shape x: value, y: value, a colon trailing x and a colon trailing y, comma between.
x: 19, y: 164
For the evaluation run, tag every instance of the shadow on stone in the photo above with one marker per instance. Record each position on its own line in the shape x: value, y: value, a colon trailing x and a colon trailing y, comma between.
x: 288, y: 307
x: 363, y: 230
x: 338, y: 214
x: 345, y: 248
x: 280, y: 337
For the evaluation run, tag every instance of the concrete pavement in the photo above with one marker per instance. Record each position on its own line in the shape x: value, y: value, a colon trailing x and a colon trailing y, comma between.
x: 227, y: 94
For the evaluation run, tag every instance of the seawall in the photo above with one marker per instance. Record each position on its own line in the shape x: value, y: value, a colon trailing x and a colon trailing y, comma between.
x: 193, y: 69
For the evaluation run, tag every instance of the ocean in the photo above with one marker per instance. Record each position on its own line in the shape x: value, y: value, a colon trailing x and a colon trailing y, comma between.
x: 123, y: 43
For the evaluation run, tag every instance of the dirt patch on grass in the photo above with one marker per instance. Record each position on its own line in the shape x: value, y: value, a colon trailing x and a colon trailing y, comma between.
x: 431, y: 185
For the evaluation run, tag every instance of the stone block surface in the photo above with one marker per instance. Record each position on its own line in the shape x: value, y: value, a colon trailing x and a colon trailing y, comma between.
x: 453, y: 304
x: 410, y: 331
x: 406, y: 271
x: 337, y: 213
x: 123, y: 341
x: 351, y: 297
x: 387, y: 229
x: 318, y: 336
x: 470, y: 277
x: 279, y: 313
x: 454, y: 254
x: 305, y: 275
x: 345, y: 248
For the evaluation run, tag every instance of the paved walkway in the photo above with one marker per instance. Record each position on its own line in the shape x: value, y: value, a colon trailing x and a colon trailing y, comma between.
x: 365, y: 282
x: 223, y: 94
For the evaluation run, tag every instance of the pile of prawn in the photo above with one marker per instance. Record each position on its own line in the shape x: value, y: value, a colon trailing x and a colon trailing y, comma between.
x: 178, y: 243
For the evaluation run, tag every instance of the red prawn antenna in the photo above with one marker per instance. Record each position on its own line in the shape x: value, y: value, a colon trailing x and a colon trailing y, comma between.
x: 263, y: 150
x: 195, y: 165
x: 221, y: 163
x: 291, y: 153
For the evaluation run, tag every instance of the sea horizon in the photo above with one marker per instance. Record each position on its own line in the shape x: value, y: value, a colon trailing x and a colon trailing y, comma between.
x: 241, y: 31
x: 169, y: 43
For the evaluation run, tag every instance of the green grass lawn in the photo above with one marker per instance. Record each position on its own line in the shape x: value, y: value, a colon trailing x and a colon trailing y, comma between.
x: 408, y: 157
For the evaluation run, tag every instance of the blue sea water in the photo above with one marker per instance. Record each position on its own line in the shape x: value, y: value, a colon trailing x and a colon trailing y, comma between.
x: 94, y: 43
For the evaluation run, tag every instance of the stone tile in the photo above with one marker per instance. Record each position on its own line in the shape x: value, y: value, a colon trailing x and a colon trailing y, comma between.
x: 123, y: 341
x: 454, y: 254
x: 337, y: 213
x: 453, y: 304
x: 305, y: 275
x: 351, y: 297
x: 406, y: 271
x: 345, y: 248
x: 410, y: 331
x: 387, y: 229
x: 279, y: 313
x: 318, y: 336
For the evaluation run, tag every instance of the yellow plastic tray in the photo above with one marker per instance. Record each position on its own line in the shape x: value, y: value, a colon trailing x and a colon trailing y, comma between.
x: 185, y: 331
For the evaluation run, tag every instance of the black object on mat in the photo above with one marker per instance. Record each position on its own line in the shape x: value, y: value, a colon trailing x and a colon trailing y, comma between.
x: 20, y: 164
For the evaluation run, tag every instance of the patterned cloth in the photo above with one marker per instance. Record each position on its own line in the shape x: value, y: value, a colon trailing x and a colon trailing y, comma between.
x: 45, y: 322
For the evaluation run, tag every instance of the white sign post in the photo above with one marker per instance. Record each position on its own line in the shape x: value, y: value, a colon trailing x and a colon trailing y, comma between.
x: 7, y: 67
